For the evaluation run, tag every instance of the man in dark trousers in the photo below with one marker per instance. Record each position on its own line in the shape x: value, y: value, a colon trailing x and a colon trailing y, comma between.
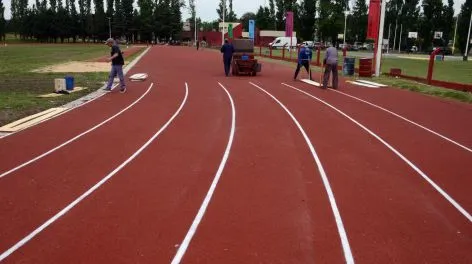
x: 227, y: 49
x: 304, y: 58
x: 117, y: 62
x: 331, y: 65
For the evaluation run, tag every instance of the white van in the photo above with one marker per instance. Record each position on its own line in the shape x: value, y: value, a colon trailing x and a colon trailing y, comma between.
x: 283, y: 42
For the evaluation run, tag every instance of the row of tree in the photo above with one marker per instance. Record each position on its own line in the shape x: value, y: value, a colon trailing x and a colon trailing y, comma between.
x: 324, y: 20
x: 52, y: 21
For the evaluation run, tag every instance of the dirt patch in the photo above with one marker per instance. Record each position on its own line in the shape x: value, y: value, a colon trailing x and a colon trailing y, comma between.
x: 77, y: 66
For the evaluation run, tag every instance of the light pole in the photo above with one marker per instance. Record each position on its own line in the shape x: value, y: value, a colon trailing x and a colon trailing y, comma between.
x: 468, y: 39
x: 400, y: 38
x: 109, y: 26
x: 380, y: 38
x: 345, y: 23
x: 223, y: 29
x: 195, y: 14
x: 455, y: 32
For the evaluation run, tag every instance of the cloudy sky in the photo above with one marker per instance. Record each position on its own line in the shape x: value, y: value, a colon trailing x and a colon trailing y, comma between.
x: 206, y: 9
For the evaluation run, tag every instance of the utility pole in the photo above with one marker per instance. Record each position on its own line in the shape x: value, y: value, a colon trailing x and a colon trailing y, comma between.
x: 223, y: 29
x: 400, y: 38
x: 380, y: 39
x: 345, y: 24
x: 468, y: 39
x: 195, y: 14
x: 455, y: 32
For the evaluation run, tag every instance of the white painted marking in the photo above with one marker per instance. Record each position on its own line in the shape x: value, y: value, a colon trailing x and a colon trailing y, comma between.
x: 95, y: 187
x: 337, y: 215
x: 372, y: 83
x: 311, y: 82
x: 409, y: 121
x: 198, y: 218
x: 76, y: 137
x: 363, y: 84
x: 421, y: 173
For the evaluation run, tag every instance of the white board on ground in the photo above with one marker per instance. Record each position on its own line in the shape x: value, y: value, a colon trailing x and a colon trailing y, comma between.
x: 138, y: 77
x: 363, y: 84
x: 372, y: 83
x: 311, y: 82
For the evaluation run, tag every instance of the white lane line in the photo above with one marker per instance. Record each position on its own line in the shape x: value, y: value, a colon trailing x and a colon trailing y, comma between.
x: 421, y: 173
x: 198, y: 218
x: 339, y: 223
x: 409, y: 121
x: 76, y: 137
x: 95, y: 187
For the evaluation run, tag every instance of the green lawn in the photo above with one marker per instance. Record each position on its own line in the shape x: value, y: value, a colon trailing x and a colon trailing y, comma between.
x: 449, y: 70
x: 19, y: 87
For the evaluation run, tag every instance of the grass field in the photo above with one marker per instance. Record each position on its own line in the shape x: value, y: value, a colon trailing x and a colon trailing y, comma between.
x: 449, y: 70
x: 19, y: 87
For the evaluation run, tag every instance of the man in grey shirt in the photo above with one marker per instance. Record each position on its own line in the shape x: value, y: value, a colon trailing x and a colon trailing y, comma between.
x: 331, y: 65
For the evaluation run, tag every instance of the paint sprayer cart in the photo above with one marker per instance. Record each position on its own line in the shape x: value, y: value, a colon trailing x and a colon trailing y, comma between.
x: 243, y: 58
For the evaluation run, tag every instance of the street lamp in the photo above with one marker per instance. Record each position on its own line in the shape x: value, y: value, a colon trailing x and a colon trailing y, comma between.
x: 455, y: 32
x: 468, y: 39
x: 345, y: 23
x: 223, y: 29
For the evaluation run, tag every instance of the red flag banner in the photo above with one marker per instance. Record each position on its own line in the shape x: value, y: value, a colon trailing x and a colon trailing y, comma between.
x: 373, y: 23
x: 288, y: 24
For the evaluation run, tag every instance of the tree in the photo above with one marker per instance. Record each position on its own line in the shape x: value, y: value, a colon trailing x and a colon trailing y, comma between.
x: 262, y: 18
x: 231, y: 15
x: 193, y: 14
x: 307, y: 19
x: 245, y: 19
x: 463, y: 26
x: 431, y: 21
x: 272, y: 19
x: 359, y: 21
x: 220, y: 10
x: 2, y: 21
x: 280, y: 14
x: 447, y: 21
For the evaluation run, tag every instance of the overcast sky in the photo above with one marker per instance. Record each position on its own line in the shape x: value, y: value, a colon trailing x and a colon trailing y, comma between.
x: 206, y: 9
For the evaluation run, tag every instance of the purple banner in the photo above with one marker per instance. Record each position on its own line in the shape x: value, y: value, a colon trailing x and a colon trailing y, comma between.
x: 288, y: 24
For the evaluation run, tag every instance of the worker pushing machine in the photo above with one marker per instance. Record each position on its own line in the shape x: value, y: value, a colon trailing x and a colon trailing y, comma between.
x: 304, y: 58
x: 227, y: 49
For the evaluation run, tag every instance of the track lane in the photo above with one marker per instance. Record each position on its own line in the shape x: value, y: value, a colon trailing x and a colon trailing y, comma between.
x: 270, y: 205
x: 390, y: 214
x: 56, y: 180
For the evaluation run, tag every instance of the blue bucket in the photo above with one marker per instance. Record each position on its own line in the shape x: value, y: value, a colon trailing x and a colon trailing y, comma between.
x: 69, y: 82
x: 348, y: 66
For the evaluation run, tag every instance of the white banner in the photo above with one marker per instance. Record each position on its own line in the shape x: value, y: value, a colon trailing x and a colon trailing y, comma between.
x: 413, y: 35
x: 438, y: 35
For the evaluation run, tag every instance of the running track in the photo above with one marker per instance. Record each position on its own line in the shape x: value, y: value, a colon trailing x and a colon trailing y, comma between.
x: 193, y: 167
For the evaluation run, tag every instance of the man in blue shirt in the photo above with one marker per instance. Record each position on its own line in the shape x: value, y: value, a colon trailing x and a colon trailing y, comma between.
x: 227, y: 49
x: 304, y: 58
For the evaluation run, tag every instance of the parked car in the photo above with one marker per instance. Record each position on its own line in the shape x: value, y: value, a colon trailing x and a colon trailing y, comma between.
x: 309, y: 44
x: 283, y: 42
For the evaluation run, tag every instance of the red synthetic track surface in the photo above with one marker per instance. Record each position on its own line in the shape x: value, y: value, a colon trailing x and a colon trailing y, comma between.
x: 270, y: 204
